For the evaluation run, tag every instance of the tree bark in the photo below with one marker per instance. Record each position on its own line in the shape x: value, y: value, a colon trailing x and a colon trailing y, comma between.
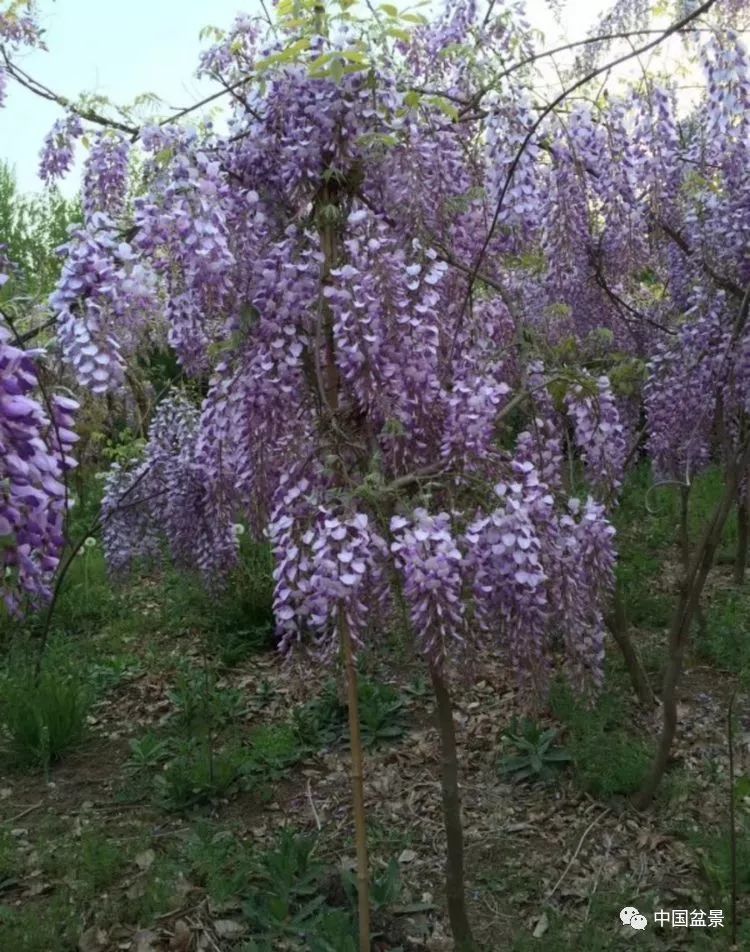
x: 617, y: 623
x: 454, y: 867
x: 743, y: 534
x: 357, y: 776
x: 732, y: 820
x: 694, y: 580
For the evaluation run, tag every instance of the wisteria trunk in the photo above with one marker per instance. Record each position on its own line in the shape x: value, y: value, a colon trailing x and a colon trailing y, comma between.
x: 688, y: 605
x: 358, y: 794
x: 617, y: 622
x: 454, y: 867
x: 743, y: 536
x: 684, y: 537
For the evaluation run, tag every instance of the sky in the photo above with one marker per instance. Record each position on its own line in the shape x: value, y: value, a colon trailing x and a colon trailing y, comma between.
x: 118, y: 48
x: 121, y: 49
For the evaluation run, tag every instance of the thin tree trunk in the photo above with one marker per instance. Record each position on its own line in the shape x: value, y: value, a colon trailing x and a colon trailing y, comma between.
x: 358, y: 794
x: 743, y: 535
x: 732, y: 821
x: 684, y: 527
x: 454, y: 867
x: 693, y: 582
x: 617, y: 623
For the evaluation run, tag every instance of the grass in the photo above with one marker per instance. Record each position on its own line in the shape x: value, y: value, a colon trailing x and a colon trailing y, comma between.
x: 198, y: 774
x: 8, y: 859
x: 322, y: 722
x: 609, y: 760
x: 724, y: 639
x: 24, y: 929
x: 43, y: 717
x: 283, y: 895
x: 237, y: 621
x: 647, y: 522
x: 714, y: 850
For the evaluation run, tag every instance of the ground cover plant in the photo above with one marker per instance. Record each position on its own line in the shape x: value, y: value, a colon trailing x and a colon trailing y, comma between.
x: 338, y: 440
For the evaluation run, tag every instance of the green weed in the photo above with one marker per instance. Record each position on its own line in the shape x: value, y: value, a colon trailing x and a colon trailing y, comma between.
x: 199, y: 703
x: 609, y: 761
x: 9, y: 860
x: 25, y: 929
x: 535, y: 757
x: 197, y: 775
x: 273, y: 751
x: 714, y: 850
x: 43, y: 717
x: 322, y: 722
x: 381, y: 713
x: 238, y: 620
x: 148, y: 752
x: 725, y: 638
x: 220, y: 863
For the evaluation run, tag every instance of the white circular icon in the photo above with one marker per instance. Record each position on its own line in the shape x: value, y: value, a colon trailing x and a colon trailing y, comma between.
x: 626, y: 915
x: 638, y: 921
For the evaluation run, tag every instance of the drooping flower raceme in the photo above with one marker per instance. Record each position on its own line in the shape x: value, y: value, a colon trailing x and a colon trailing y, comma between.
x: 165, y: 501
x: 598, y: 433
x: 105, y: 176
x: 329, y: 568
x: 56, y: 157
x: 104, y: 300
x: 35, y: 445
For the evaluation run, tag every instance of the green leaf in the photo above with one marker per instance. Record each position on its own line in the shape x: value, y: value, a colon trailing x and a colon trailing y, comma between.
x: 558, y: 756
x: 448, y: 108
x: 336, y: 70
x: 7, y: 542
x: 398, y: 34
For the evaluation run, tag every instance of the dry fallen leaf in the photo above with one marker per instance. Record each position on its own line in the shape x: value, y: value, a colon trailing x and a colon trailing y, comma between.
x: 92, y: 940
x: 541, y: 926
x: 228, y: 928
x: 145, y: 859
x: 182, y: 938
x: 144, y: 941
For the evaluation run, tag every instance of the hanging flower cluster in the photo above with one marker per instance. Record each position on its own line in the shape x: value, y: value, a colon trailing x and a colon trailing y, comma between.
x: 56, y: 157
x: 427, y: 556
x: 166, y: 501
x: 35, y: 445
x: 329, y: 568
x: 347, y: 357
x: 598, y: 433
x: 105, y: 176
x: 105, y: 297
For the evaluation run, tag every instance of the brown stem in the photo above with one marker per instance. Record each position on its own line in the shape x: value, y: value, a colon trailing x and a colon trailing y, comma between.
x: 732, y: 825
x: 688, y: 603
x: 617, y: 622
x: 743, y: 537
x: 357, y: 775
x: 684, y: 539
x: 454, y: 867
